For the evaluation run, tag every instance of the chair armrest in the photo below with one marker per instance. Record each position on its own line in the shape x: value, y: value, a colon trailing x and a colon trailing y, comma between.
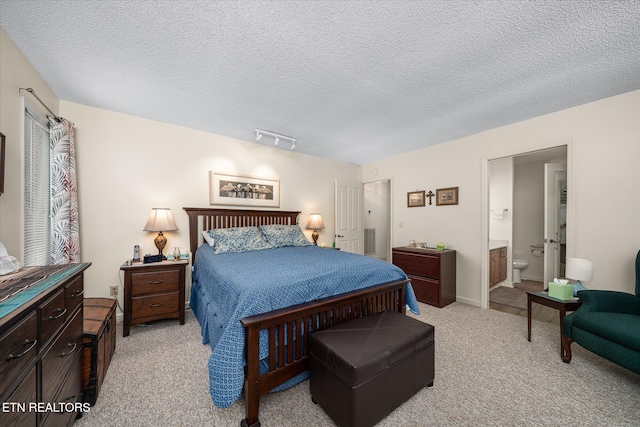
x: 609, y: 301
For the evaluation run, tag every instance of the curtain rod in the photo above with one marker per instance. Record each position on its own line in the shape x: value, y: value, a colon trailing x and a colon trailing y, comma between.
x: 33, y: 92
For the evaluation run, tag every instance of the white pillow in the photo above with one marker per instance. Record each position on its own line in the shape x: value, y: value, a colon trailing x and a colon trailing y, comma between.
x: 208, y: 237
x: 8, y: 264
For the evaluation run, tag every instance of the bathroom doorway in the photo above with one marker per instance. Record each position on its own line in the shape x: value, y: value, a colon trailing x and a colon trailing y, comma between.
x: 517, y: 218
x: 377, y: 219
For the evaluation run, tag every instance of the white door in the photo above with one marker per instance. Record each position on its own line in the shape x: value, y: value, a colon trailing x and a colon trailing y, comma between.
x: 554, y: 173
x: 349, y: 233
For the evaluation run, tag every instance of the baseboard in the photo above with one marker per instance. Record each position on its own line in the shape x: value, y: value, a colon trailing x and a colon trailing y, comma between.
x: 468, y: 301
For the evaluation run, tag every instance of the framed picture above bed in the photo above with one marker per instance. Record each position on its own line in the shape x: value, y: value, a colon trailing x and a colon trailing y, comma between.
x: 239, y: 190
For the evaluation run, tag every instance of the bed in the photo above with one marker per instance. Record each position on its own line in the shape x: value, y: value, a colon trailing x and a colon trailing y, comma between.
x: 257, y: 308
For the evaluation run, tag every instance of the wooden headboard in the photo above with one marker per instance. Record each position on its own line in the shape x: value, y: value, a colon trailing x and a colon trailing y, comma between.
x: 201, y: 219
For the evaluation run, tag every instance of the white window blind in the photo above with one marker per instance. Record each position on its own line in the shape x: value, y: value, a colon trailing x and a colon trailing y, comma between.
x: 37, y: 235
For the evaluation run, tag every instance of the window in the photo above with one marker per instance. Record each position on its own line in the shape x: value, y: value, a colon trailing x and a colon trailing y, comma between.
x: 37, y: 235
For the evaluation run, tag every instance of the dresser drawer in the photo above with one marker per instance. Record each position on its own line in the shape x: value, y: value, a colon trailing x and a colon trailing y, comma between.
x: 18, y: 348
x: 24, y: 394
x: 427, y: 291
x: 71, y: 393
x: 73, y: 294
x: 154, y: 282
x: 418, y: 265
x: 60, y: 357
x: 52, y: 315
x: 152, y: 306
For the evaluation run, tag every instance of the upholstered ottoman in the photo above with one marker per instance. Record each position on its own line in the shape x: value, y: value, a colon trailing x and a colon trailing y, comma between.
x: 363, y: 369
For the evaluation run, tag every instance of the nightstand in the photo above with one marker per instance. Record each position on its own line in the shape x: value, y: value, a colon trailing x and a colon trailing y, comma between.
x: 153, y: 291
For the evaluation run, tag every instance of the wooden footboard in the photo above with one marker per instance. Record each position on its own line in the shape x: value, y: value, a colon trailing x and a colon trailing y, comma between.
x: 289, y: 330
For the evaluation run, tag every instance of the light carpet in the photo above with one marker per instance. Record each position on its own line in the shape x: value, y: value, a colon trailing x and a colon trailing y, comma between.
x: 487, y: 374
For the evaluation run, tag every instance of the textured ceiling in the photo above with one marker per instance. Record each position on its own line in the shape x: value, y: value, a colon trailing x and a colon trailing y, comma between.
x: 351, y: 81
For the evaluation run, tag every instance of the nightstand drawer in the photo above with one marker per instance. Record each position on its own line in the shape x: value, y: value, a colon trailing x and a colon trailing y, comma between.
x: 154, y: 305
x: 154, y: 282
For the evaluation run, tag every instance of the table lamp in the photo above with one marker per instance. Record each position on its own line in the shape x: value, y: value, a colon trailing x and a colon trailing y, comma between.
x: 160, y: 220
x: 315, y: 223
x: 578, y: 270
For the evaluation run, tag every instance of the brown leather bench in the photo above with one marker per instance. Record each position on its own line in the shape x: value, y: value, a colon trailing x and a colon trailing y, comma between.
x: 363, y: 369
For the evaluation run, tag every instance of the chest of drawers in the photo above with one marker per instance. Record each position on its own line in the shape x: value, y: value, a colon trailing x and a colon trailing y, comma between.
x: 41, y: 345
x: 432, y: 273
x: 153, y: 291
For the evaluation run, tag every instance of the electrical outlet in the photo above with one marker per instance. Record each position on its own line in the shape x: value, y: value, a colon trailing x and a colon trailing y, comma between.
x: 114, y: 290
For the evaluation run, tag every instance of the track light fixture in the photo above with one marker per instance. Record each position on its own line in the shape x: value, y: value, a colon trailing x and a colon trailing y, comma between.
x: 277, y: 136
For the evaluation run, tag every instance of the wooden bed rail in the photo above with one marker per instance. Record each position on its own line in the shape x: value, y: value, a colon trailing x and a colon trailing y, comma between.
x: 289, y: 330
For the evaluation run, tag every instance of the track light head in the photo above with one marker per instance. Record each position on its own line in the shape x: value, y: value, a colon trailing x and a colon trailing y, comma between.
x: 258, y: 136
x: 293, y: 144
x: 277, y: 140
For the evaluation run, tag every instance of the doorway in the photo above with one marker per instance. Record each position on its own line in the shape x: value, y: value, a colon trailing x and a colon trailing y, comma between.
x: 377, y: 219
x: 517, y: 219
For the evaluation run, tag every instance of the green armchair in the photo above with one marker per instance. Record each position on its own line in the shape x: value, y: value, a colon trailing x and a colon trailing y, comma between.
x: 608, y: 324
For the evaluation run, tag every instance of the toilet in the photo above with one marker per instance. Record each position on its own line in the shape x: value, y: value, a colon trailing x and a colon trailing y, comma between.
x: 518, y: 264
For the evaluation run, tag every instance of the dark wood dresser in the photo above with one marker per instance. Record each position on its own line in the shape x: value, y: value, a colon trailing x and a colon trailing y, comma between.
x: 432, y: 273
x: 41, y: 345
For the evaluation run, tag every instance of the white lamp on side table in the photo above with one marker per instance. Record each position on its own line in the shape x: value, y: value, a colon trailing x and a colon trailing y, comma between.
x: 579, y: 270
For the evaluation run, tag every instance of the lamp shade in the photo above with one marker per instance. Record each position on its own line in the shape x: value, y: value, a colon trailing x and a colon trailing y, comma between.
x: 579, y: 269
x: 160, y: 219
x: 315, y: 222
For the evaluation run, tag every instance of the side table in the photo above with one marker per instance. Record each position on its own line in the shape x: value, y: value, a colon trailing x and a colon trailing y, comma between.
x: 153, y: 291
x: 561, y: 305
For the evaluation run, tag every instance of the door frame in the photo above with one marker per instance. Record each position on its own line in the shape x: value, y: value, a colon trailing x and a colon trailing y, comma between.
x: 484, y: 204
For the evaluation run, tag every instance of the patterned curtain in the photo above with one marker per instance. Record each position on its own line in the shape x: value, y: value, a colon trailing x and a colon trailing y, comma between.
x: 65, y: 231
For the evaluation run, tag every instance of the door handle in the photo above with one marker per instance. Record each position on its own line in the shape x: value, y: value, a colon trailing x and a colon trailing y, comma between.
x: 339, y: 235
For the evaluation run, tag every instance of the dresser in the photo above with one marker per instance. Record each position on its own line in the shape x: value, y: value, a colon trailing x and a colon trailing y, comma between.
x: 432, y: 273
x: 41, y: 345
x: 153, y: 291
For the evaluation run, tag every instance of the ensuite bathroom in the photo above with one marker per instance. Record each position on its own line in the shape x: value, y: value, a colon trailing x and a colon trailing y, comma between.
x: 517, y: 216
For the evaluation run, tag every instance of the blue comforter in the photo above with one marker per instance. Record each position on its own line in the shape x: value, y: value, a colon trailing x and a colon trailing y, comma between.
x: 228, y: 287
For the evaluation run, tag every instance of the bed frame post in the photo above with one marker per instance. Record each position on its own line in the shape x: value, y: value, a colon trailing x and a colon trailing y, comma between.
x: 251, y: 382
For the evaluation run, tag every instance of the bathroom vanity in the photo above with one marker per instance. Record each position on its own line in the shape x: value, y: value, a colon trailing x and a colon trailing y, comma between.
x: 497, y: 264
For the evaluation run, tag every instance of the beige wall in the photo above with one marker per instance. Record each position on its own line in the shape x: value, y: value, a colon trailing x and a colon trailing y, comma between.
x: 603, y: 141
x: 128, y: 165
x: 16, y: 72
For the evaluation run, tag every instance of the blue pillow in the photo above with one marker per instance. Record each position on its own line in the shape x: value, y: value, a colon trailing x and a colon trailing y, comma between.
x: 284, y: 235
x: 237, y: 239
